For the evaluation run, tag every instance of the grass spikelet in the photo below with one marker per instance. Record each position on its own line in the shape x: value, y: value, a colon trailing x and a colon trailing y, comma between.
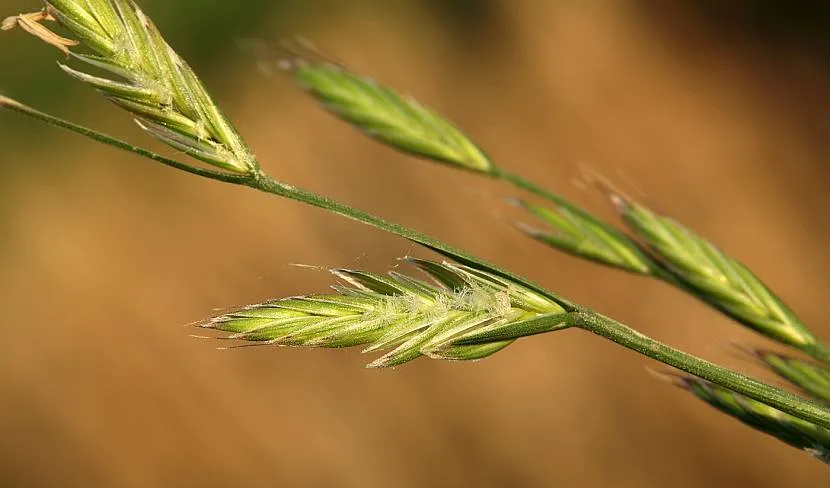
x: 715, y: 277
x: 664, y: 248
x: 582, y: 235
x: 466, y: 314
x: 147, y: 78
x: 383, y: 114
x: 796, y: 432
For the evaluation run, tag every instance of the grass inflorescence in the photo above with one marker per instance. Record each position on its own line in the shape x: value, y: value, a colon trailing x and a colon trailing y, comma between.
x: 583, y: 237
x: 146, y: 77
x: 465, y: 314
x: 383, y: 114
x: 718, y: 279
x: 471, y: 308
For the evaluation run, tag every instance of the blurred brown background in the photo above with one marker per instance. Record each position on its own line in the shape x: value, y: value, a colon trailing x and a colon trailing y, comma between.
x: 718, y: 114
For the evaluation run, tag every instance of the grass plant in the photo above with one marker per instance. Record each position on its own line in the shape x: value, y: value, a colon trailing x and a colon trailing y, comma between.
x: 470, y: 309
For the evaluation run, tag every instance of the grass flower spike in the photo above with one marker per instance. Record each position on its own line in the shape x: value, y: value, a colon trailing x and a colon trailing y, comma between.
x: 717, y: 278
x: 384, y: 115
x: 148, y: 78
x: 582, y: 235
x: 664, y: 248
x: 467, y: 314
x: 404, y: 123
x: 471, y: 308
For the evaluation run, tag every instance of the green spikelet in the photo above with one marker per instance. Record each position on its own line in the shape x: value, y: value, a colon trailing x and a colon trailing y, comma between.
x: 466, y: 314
x: 580, y: 234
x: 387, y: 116
x: 717, y: 278
x: 146, y: 77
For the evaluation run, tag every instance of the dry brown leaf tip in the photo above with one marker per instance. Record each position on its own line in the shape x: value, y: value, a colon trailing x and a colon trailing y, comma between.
x: 32, y: 23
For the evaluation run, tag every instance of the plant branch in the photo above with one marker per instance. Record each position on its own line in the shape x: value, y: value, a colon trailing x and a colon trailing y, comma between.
x: 752, y: 388
x: 16, y: 106
x: 478, y: 302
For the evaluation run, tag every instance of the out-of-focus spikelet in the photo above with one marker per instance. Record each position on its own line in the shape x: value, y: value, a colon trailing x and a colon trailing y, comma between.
x: 385, y: 115
x: 794, y: 431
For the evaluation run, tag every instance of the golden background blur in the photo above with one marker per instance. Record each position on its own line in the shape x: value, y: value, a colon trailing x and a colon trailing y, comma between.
x: 719, y: 115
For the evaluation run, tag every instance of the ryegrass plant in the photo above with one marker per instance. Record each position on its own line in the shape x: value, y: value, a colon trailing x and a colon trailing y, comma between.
x: 473, y: 308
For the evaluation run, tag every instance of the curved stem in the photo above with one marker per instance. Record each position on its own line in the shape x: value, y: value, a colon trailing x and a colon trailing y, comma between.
x: 752, y: 388
x: 6, y: 102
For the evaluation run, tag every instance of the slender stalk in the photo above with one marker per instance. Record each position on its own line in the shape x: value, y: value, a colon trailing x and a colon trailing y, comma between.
x: 752, y: 388
x: 16, y: 106
x: 582, y: 318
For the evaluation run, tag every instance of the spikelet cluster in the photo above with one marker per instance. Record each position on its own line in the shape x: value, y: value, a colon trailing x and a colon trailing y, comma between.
x: 662, y: 247
x: 716, y: 277
x: 380, y: 112
x: 144, y: 76
x: 578, y: 233
x: 464, y: 314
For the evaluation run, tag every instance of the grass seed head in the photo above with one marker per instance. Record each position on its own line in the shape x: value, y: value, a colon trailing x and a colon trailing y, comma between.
x: 145, y: 77
x: 581, y: 235
x: 466, y: 314
x: 715, y: 277
x: 383, y: 114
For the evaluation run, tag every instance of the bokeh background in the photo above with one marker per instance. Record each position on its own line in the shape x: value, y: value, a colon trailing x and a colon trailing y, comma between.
x: 717, y: 114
